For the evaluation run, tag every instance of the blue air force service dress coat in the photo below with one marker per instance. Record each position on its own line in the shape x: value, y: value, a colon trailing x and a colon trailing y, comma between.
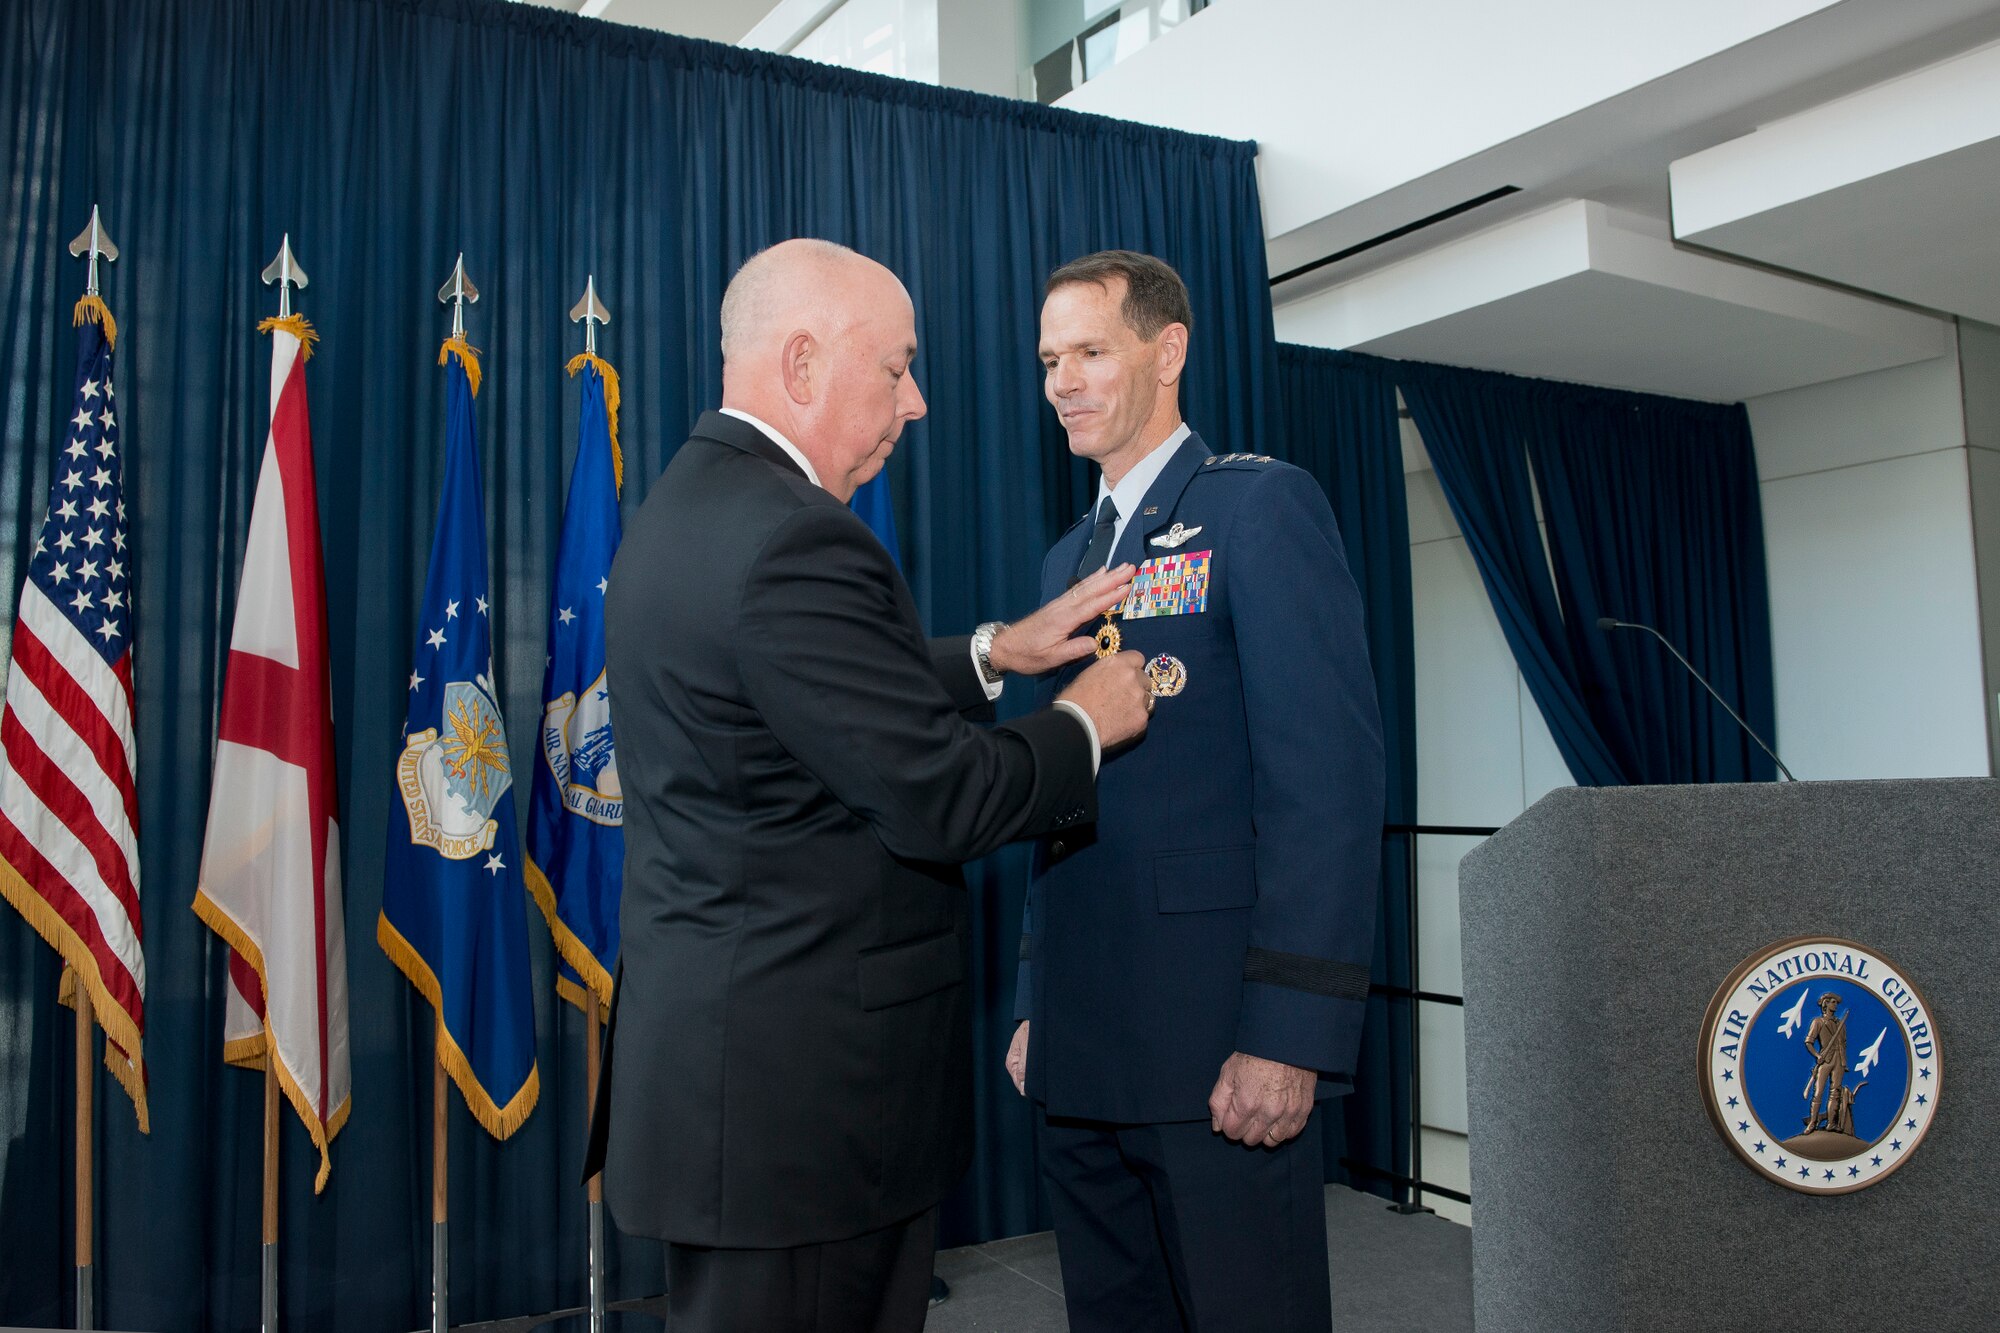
x: 1225, y: 899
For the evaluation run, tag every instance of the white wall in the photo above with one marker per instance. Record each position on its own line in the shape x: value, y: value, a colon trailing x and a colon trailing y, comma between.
x: 1979, y: 369
x: 1875, y: 625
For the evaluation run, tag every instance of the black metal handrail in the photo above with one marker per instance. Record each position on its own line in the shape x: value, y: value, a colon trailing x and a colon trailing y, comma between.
x: 1412, y: 1186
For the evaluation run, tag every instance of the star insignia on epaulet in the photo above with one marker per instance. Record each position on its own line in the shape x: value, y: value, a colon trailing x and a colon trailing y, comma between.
x: 1238, y: 458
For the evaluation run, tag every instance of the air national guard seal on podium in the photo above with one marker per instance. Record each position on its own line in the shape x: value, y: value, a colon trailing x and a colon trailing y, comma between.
x: 1820, y: 1064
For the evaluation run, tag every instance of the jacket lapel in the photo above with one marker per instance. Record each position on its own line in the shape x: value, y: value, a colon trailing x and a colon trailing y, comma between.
x: 1060, y: 571
x: 1161, y: 498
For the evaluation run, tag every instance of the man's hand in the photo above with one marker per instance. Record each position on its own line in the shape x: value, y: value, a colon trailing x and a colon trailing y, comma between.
x: 1118, y: 697
x: 1260, y: 1103
x: 1017, y: 1058
x: 1043, y: 642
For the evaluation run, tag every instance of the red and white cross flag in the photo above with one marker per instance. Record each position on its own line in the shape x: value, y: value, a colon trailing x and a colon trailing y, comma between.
x: 270, y: 865
x: 69, y: 821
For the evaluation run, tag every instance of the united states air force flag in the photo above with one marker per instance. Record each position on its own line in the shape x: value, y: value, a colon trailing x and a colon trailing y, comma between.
x: 453, y: 918
x: 576, y: 836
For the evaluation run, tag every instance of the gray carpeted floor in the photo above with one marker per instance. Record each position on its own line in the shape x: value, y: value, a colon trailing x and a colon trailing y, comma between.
x: 1391, y: 1274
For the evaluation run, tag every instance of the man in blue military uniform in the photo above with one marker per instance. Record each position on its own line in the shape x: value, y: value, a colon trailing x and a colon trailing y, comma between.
x: 1194, y: 970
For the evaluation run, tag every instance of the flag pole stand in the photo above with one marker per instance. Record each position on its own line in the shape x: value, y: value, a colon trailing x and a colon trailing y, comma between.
x: 268, y: 1316
x: 589, y: 311
x: 86, y: 1302
x: 595, y: 1189
x: 440, y: 1245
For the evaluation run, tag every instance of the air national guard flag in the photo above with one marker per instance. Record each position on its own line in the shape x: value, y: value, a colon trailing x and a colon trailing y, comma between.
x: 270, y: 863
x: 453, y: 918
x: 69, y: 849
x: 576, y: 836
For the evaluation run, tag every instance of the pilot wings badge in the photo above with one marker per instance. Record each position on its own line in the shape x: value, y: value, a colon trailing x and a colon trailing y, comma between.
x: 1175, y: 536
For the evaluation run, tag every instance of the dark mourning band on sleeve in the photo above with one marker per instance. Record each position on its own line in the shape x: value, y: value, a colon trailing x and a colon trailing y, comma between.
x: 1315, y: 976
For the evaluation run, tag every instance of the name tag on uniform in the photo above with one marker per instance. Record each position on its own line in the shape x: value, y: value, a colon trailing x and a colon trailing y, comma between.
x: 1171, y: 585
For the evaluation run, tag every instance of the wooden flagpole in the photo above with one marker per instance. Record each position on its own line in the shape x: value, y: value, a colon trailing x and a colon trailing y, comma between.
x: 86, y: 1304
x: 440, y: 1248
x: 269, y: 1317
x: 595, y: 1189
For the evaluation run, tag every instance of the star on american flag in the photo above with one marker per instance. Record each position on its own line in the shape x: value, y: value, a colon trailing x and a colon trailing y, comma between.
x: 93, y: 594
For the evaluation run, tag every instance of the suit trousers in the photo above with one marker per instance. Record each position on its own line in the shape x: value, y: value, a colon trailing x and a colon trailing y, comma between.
x: 877, y: 1282
x: 1173, y: 1227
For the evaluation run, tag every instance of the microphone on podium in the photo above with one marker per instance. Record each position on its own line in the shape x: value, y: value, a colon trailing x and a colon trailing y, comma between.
x: 1608, y: 623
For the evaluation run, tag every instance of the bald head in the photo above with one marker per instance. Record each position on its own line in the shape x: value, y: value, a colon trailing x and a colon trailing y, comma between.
x: 817, y: 342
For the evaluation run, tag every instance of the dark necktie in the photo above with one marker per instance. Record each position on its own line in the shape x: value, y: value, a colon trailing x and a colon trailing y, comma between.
x: 1099, y: 553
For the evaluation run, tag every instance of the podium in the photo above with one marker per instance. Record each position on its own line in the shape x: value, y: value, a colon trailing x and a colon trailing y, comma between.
x: 1596, y: 929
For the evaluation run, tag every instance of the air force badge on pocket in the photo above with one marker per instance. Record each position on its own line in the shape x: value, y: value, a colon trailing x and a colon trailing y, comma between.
x: 1169, y: 585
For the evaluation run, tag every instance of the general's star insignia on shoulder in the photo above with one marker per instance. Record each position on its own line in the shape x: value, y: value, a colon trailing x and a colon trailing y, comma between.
x: 1820, y: 1064
x: 1237, y: 458
x: 1174, y: 536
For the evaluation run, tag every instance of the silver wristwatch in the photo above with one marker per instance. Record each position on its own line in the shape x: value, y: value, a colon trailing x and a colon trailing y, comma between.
x: 982, y: 648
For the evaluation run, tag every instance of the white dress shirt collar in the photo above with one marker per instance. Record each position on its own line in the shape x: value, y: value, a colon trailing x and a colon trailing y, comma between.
x: 1131, y: 489
x: 791, y: 450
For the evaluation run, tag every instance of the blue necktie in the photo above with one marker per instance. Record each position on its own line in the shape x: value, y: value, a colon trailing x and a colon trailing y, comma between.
x: 1099, y: 553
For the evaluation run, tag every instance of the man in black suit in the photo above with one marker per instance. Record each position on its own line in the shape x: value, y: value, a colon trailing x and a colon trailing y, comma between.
x: 791, y: 1028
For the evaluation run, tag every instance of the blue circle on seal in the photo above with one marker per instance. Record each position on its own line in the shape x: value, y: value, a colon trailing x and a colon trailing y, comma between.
x: 1778, y: 1064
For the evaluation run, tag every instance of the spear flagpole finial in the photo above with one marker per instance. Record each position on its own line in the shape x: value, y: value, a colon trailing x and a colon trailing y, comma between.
x: 458, y: 292
x: 94, y: 242
x: 589, y: 312
x: 286, y: 273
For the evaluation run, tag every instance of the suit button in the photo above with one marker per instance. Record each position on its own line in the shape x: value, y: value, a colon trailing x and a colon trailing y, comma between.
x: 1058, y: 847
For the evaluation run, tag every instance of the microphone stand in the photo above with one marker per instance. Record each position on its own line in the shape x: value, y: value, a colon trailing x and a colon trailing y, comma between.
x: 1609, y: 623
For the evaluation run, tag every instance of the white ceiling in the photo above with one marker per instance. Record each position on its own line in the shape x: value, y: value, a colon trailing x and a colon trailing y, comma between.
x: 1585, y: 293
x: 1893, y: 190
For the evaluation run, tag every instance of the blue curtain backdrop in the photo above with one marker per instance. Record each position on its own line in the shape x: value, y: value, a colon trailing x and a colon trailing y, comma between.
x: 386, y: 136
x: 1652, y: 515
x: 1341, y: 425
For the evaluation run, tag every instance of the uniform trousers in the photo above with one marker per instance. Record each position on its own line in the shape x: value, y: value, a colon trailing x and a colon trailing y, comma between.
x: 1173, y: 1227
x: 877, y: 1282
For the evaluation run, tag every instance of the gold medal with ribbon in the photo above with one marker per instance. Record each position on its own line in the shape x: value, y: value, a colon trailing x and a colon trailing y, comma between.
x: 1108, y: 637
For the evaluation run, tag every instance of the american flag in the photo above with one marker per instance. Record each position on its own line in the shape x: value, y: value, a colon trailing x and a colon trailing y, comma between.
x: 69, y: 852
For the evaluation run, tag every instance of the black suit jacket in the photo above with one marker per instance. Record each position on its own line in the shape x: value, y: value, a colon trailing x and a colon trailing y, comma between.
x: 791, y: 1031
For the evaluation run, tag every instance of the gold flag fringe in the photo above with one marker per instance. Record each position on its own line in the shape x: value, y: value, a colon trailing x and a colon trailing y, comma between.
x: 91, y: 309
x: 596, y: 981
x: 258, y: 1051
x: 296, y: 325
x: 610, y: 378
x: 468, y: 356
x: 121, y: 1034
x: 499, y: 1121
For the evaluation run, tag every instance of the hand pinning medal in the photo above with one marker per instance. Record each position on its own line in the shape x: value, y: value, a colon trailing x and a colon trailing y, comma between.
x: 1166, y: 675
